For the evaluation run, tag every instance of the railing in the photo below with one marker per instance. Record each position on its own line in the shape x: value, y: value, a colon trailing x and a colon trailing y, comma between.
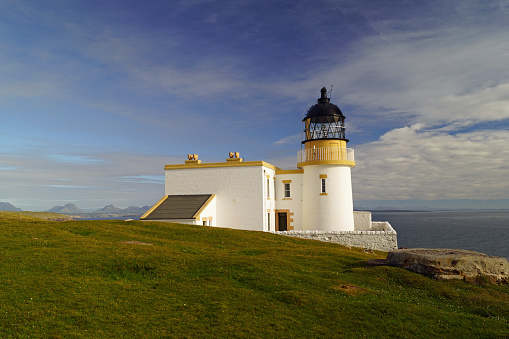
x: 325, y: 153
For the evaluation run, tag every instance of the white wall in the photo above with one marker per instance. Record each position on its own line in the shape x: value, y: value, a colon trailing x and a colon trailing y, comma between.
x: 208, y: 214
x: 331, y: 212
x: 294, y: 204
x: 362, y: 221
x: 241, y: 200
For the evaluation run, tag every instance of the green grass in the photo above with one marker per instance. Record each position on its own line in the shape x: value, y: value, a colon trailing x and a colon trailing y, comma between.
x: 78, y: 279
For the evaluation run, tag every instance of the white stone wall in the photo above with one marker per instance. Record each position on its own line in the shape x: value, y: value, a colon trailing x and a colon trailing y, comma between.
x: 331, y: 212
x: 385, y: 240
x: 241, y: 200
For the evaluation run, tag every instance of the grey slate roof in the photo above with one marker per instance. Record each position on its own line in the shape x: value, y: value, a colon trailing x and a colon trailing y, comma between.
x: 177, y: 207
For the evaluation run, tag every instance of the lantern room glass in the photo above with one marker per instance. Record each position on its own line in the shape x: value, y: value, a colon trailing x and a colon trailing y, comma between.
x: 324, y: 127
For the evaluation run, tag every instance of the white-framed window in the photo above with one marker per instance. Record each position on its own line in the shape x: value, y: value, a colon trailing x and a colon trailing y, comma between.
x: 268, y: 188
x: 287, y: 190
x: 324, y: 187
x: 268, y: 221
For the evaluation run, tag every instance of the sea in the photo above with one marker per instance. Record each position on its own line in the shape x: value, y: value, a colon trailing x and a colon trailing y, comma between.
x: 482, y: 231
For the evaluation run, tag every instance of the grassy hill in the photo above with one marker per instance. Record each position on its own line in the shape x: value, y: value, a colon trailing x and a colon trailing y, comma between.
x: 148, y: 279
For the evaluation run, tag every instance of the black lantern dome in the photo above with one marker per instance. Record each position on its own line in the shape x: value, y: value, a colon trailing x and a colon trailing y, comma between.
x: 324, y: 120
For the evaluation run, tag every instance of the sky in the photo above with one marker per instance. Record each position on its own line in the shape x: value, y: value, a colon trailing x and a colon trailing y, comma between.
x: 97, y: 96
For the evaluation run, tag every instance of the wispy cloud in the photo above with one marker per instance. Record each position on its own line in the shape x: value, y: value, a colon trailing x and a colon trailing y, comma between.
x: 291, y: 139
x: 75, y: 159
x: 143, y: 179
x: 42, y: 182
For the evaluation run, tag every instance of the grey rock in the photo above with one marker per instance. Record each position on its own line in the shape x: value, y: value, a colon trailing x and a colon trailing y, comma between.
x: 451, y: 264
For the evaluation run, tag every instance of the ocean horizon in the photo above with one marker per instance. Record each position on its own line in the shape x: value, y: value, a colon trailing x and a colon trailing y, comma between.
x: 482, y: 231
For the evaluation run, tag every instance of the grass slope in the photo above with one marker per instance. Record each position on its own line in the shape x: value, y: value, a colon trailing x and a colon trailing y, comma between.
x: 78, y: 279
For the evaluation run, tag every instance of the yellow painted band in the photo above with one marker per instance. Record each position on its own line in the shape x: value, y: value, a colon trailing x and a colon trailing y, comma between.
x: 327, y: 162
x: 325, y: 143
x: 294, y: 171
x: 221, y: 164
x: 287, y: 181
x: 323, y: 176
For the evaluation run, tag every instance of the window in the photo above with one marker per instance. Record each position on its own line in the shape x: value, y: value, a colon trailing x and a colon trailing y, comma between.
x: 268, y: 221
x: 204, y: 222
x: 323, y: 186
x: 268, y: 188
x: 287, y: 190
x: 275, y: 191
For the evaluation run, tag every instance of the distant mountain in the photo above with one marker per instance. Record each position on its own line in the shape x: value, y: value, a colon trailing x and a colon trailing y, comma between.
x: 67, y: 209
x: 7, y: 206
x: 136, y: 209
x: 106, y: 211
x: 109, y: 210
x: 393, y: 209
x: 129, y: 211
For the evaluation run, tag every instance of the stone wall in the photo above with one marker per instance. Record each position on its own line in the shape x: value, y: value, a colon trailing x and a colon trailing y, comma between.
x: 382, y: 237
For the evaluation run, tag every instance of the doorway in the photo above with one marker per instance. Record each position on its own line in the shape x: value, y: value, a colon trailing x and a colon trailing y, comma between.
x: 282, y: 221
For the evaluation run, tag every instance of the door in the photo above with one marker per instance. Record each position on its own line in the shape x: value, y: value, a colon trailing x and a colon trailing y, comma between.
x: 282, y: 221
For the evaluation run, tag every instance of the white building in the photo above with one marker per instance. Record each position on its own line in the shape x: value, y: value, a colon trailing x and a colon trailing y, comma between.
x: 255, y: 195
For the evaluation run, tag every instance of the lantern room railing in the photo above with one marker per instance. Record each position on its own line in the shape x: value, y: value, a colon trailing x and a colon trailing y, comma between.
x: 325, y: 153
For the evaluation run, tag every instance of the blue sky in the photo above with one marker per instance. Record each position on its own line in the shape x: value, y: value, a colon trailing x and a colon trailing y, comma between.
x: 97, y: 96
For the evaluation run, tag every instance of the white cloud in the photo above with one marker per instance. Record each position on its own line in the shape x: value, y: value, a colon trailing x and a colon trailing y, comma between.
x: 411, y: 163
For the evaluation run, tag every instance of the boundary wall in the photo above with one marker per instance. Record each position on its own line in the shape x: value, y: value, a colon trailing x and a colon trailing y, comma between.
x: 381, y: 237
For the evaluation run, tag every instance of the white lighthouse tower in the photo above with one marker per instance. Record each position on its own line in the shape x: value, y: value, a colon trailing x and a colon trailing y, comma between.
x: 327, y: 185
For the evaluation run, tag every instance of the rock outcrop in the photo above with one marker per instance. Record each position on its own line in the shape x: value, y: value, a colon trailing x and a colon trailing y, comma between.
x: 451, y: 264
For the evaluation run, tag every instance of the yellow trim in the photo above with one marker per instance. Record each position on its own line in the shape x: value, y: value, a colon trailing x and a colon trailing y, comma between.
x: 268, y: 176
x: 327, y: 162
x: 221, y: 164
x: 323, y: 193
x: 197, y: 214
x: 294, y: 171
x: 323, y: 176
x: 147, y: 213
x: 287, y: 181
x: 234, y: 159
x: 325, y: 143
x: 287, y: 198
x: 193, y: 161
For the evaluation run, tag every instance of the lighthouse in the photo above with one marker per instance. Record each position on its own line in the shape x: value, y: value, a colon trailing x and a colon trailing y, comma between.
x: 326, y: 163
x: 313, y: 201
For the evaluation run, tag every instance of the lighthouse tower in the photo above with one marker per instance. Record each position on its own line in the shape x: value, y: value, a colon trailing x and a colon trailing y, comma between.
x: 327, y: 182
